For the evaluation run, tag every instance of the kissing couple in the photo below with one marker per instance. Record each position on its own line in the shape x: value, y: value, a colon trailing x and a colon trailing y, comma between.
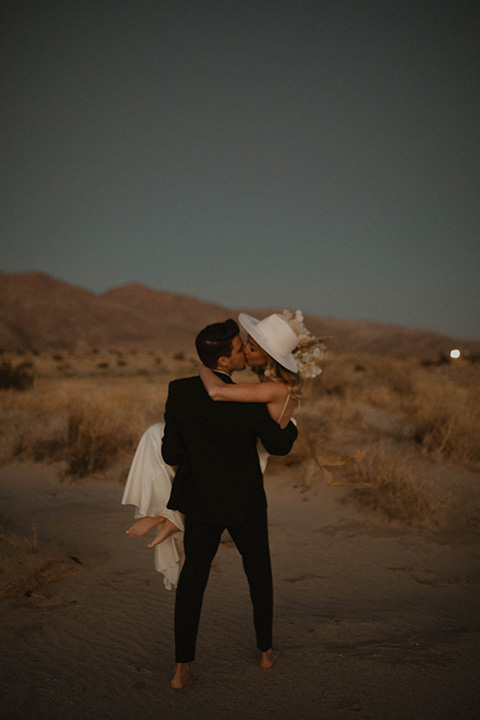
x: 201, y: 471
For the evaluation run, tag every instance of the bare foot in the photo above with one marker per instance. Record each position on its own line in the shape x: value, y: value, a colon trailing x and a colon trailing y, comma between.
x: 269, y: 658
x: 144, y: 525
x: 166, y: 529
x: 182, y: 676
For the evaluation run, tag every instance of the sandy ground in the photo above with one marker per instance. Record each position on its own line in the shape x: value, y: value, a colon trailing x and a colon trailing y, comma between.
x: 374, y: 620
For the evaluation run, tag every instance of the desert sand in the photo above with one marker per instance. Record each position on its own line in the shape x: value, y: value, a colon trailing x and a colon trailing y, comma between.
x: 374, y: 619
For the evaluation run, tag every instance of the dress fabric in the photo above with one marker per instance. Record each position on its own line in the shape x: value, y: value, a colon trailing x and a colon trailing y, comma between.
x: 148, y: 488
x: 262, y: 455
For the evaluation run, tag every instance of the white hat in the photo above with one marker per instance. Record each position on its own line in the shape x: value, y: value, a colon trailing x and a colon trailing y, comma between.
x: 275, y: 335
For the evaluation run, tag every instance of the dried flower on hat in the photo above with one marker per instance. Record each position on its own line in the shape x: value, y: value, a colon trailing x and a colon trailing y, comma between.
x: 310, y: 350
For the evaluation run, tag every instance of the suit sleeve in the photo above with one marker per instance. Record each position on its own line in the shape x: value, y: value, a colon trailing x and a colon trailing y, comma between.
x: 275, y: 440
x: 173, y: 448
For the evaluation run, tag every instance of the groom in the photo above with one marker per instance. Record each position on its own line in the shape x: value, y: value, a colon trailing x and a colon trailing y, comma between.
x: 219, y: 485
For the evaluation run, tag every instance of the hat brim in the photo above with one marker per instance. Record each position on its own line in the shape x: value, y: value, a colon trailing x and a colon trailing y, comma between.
x: 249, y: 324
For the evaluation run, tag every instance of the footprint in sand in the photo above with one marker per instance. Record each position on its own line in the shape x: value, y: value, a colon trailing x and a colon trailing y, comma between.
x: 425, y: 577
x: 302, y: 578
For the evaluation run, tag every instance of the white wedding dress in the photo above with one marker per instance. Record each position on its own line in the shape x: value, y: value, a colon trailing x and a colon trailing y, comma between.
x: 148, y: 488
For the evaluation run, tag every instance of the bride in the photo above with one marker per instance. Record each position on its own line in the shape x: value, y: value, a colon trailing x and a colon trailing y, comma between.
x: 281, y: 352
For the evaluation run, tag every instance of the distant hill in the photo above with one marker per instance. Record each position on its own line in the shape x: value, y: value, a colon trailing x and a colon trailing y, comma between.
x: 38, y: 312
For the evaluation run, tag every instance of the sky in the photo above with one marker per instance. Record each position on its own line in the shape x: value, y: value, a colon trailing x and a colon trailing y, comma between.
x: 321, y: 156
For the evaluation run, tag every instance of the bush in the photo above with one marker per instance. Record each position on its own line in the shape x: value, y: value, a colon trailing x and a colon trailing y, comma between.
x: 16, y: 378
x: 386, y: 484
x: 92, y: 441
x: 446, y: 422
x: 96, y: 436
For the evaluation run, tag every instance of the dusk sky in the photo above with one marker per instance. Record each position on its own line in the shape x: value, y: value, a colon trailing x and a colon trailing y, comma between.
x: 313, y: 155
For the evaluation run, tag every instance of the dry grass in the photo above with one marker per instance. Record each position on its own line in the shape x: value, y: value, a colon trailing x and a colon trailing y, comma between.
x: 439, y: 405
x: 446, y: 421
x: 94, y: 439
x: 385, y: 483
x: 85, y: 423
x: 25, y: 569
x: 374, y: 379
x: 91, y: 418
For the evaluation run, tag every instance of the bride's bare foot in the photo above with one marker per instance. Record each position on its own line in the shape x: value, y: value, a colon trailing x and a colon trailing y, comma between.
x: 144, y: 525
x: 182, y: 676
x: 166, y: 529
x: 269, y: 658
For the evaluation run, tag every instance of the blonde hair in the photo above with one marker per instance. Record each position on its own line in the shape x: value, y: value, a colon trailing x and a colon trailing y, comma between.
x: 275, y: 371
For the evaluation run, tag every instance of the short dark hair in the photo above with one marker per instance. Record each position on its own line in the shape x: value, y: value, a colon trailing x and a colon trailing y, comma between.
x: 215, y: 341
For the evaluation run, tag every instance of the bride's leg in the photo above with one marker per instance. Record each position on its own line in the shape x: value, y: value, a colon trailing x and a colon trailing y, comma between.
x: 144, y: 525
x: 166, y: 529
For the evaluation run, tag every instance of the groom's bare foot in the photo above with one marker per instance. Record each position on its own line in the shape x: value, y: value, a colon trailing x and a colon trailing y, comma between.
x: 269, y: 658
x: 182, y: 676
x: 166, y: 529
x: 144, y: 525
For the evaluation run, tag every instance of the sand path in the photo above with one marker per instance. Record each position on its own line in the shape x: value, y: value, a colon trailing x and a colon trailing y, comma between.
x: 373, y: 621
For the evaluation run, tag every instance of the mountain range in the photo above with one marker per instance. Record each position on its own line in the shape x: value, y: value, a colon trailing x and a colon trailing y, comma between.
x: 39, y: 312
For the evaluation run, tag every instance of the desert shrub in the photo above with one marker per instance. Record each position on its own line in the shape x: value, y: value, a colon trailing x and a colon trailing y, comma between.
x: 25, y: 568
x: 36, y: 442
x: 94, y: 439
x: 446, y: 421
x: 387, y: 485
x: 17, y: 378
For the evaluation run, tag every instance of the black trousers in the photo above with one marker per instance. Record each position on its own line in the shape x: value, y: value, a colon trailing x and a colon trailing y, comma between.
x: 201, y: 541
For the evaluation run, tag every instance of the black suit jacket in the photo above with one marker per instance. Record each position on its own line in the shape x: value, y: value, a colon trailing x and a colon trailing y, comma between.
x: 218, y: 479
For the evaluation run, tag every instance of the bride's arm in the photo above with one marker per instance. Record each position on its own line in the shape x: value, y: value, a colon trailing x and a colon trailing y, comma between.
x: 243, y: 392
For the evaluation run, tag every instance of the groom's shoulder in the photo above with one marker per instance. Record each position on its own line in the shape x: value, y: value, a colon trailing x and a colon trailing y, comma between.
x: 183, y: 384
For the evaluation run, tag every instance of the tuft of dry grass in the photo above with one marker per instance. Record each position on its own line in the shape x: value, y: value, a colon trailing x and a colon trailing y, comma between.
x: 446, y: 422
x: 95, y: 437
x: 25, y: 569
x: 385, y: 483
